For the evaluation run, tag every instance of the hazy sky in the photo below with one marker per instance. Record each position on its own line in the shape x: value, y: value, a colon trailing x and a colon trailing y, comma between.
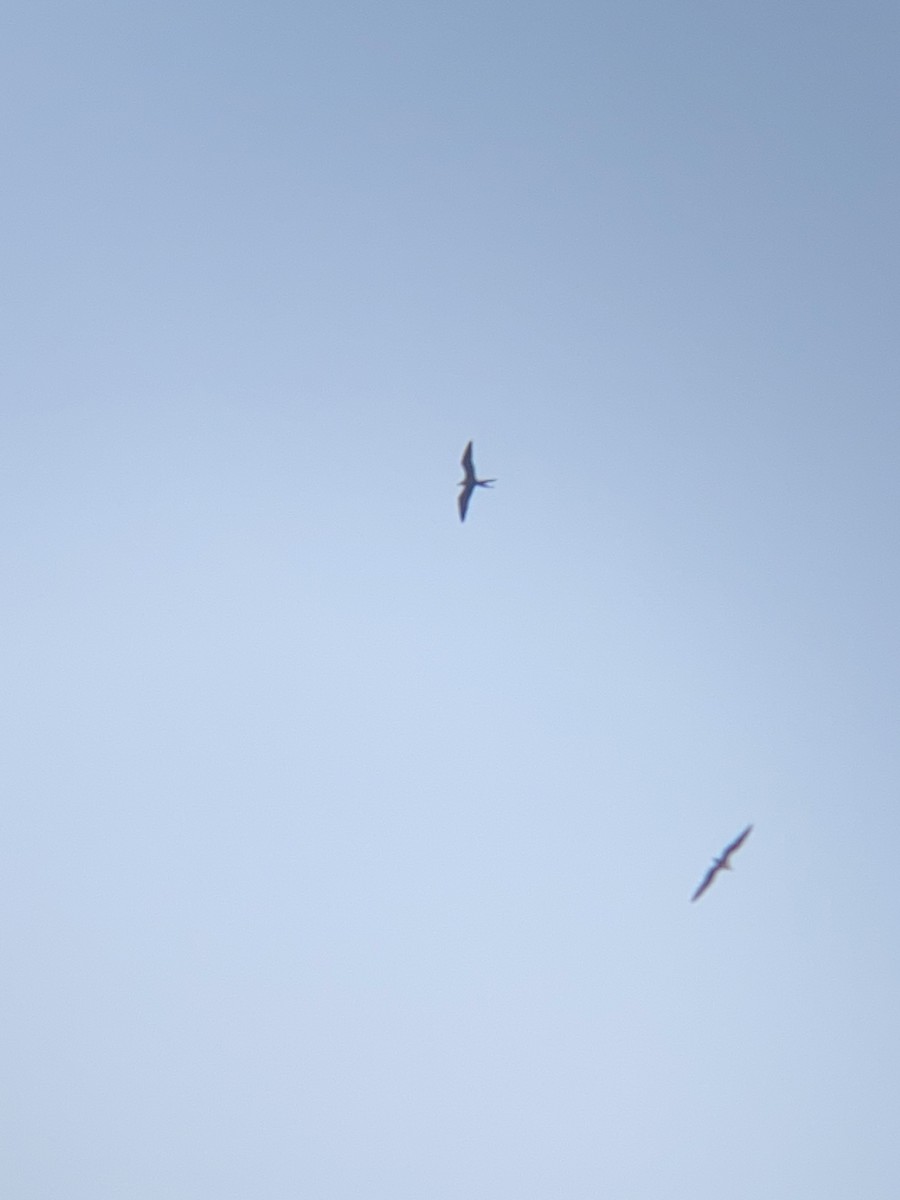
x: 345, y: 850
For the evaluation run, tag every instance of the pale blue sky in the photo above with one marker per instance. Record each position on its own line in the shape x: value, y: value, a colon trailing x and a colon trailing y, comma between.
x: 346, y: 851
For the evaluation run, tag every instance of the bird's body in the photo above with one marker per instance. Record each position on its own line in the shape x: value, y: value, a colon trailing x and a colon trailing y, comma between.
x: 721, y: 863
x: 469, y: 482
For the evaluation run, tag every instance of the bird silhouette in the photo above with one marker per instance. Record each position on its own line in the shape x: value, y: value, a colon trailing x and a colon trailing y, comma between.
x: 721, y: 863
x: 470, y: 482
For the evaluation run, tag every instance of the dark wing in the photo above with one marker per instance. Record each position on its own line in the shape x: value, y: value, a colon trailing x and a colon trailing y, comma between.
x: 737, y: 843
x: 707, y: 880
x: 464, y: 497
x: 467, y: 464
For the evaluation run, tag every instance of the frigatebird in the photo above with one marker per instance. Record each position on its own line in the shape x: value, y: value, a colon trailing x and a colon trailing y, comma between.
x: 470, y: 483
x: 721, y: 863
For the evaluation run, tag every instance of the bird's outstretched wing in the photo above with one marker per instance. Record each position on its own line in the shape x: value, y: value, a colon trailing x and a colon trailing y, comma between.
x: 467, y: 465
x: 465, y: 496
x: 707, y: 880
x: 737, y: 843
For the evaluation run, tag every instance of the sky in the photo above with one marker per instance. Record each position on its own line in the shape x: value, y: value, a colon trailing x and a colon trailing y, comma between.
x: 347, y: 850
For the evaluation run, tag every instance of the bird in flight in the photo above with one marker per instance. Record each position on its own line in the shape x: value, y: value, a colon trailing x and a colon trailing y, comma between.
x: 470, y: 482
x: 721, y: 863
